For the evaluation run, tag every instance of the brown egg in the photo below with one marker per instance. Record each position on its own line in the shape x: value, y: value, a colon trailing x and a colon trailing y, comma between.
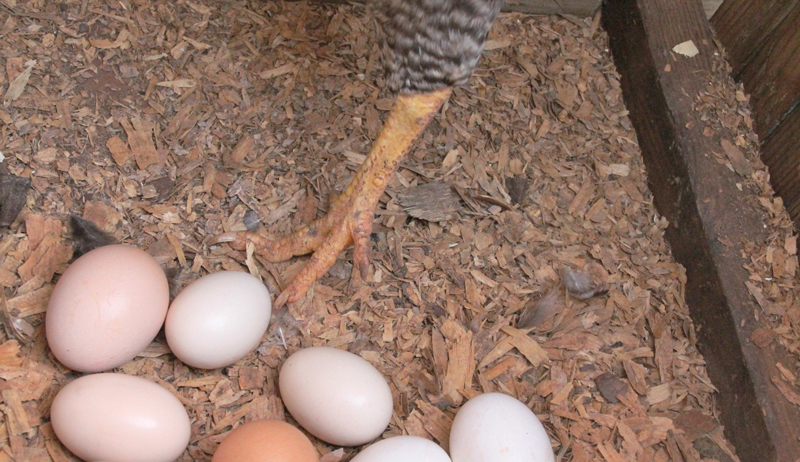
x: 266, y: 441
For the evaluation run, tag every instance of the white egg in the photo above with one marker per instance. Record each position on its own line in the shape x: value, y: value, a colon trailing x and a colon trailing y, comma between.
x: 403, y: 449
x: 218, y: 319
x: 494, y: 427
x: 335, y: 395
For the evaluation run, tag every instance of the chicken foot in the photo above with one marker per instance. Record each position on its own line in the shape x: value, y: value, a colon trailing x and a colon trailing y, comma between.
x: 349, y: 219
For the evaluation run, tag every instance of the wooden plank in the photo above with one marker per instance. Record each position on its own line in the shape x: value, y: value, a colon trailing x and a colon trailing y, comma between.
x: 772, y: 76
x: 762, y: 41
x: 744, y: 25
x: 582, y: 8
x: 781, y: 152
x: 700, y: 199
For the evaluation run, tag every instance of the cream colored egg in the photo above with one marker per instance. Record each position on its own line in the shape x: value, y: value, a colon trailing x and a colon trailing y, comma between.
x: 403, y: 449
x: 218, y: 319
x: 120, y: 418
x: 106, y: 308
x: 494, y: 427
x: 335, y: 395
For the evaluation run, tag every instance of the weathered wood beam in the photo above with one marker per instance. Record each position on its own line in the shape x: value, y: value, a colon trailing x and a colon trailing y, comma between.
x: 710, y: 218
x: 580, y: 8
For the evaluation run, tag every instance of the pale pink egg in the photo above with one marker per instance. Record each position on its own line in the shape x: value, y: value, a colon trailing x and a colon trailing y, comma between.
x: 107, y: 307
x: 121, y: 418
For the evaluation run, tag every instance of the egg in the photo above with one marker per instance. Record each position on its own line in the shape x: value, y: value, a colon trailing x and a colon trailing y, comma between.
x: 335, y: 395
x: 403, y: 449
x: 494, y: 427
x: 120, y: 418
x: 266, y: 441
x: 218, y: 319
x: 106, y: 308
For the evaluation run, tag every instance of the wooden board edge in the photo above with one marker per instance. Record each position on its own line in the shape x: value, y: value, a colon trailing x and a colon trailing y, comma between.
x: 705, y: 208
x: 581, y: 8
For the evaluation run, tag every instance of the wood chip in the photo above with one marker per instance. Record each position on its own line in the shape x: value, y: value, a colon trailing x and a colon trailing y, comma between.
x: 49, y: 257
x: 687, y: 48
x: 140, y: 139
x: 16, y: 417
x: 432, y: 202
x: 436, y: 423
x: 659, y: 393
x: 119, y: 150
x: 32, y: 302
x: 762, y: 338
x: 13, y: 197
x: 695, y: 424
x: 610, y: 386
x: 242, y: 150
x: 460, y: 362
x: 529, y: 348
x: 735, y: 155
x: 18, y: 85
x: 10, y: 354
x: 30, y: 381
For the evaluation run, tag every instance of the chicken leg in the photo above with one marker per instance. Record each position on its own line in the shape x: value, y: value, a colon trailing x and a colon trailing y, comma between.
x: 349, y: 220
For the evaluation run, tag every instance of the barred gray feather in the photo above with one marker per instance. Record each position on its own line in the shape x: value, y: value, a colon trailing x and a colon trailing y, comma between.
x: 433, y: 44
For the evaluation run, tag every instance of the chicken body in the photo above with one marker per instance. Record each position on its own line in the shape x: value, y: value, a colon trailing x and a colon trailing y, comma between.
x: 429, y: 47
